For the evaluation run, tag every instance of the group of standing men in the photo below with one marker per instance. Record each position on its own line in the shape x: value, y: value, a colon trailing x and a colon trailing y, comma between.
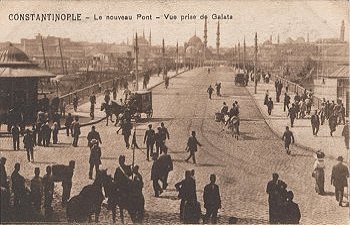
x: 26, y: 199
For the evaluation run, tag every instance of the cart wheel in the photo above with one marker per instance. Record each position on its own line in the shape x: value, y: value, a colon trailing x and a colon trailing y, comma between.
x: 150, y: 114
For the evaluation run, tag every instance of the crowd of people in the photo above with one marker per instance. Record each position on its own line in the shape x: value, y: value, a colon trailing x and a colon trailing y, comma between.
x: 28, y: 199
x: 301, y: 108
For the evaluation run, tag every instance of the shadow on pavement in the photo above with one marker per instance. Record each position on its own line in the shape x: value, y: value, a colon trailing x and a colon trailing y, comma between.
x: 45, y: 163
x: 209, y: 165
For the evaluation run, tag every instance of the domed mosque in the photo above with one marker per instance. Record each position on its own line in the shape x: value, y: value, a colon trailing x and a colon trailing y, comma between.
x: 197, y: 50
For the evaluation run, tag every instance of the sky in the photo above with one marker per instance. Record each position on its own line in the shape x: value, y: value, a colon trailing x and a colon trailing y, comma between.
x: 321, y: 19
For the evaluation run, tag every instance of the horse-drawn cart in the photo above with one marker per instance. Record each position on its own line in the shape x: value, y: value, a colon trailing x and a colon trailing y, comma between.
x: 141, y: 102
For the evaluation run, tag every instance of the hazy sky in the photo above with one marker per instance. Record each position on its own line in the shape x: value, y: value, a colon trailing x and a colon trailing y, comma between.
x: 287, y: 18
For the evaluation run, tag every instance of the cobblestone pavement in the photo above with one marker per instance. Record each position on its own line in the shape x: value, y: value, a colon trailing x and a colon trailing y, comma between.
x: 243, y: 167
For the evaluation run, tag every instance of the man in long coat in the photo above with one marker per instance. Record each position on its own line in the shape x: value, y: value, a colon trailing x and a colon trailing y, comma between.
x: 166, y: 165
x: 76, y: 131
x: 212, y: 200
x: 339, y: 176
x: 192, y: 147
x: 95, y: 157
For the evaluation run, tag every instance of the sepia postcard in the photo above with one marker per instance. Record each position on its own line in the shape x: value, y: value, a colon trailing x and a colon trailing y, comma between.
x: 174, y: 112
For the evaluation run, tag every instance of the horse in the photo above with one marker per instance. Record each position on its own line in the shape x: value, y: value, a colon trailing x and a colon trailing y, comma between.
x: 131, y: 200
x: 113, y: 108
x: 232, y: 124
x: 88, y: 202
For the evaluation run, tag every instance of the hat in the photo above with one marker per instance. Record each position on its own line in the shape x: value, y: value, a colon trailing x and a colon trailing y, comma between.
x: 93, y: 141
x: 340, y: 158
x: 320, y: 154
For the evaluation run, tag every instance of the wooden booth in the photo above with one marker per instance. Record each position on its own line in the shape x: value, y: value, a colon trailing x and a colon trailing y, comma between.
x: 19, y: 79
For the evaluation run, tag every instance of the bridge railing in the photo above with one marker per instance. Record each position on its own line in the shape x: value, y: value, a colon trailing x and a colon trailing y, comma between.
x: 296, y: 88
x: 87, y: 91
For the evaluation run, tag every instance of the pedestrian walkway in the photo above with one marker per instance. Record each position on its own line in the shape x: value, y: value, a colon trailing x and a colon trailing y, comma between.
x: 278, y: 120
x: 84, y: 108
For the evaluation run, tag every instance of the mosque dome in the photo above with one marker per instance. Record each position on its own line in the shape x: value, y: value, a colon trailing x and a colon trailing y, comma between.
x: 195, y: 41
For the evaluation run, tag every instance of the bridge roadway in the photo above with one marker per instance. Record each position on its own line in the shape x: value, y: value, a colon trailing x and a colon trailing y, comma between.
x: 243, y: 167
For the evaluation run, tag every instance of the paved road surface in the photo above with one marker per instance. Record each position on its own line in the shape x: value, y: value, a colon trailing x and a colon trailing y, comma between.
x: 243, y: 167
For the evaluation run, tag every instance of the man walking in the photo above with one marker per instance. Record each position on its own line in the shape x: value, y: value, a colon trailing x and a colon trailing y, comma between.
x: 269, y: 106
x: 93, y: 134
x: 48, y: 187
x: 272, y: 190
x: 126, y: 127
x: 149, y: 140
x: 95, y: 157
x: 288, y: 139
x: 345, y: 134
x: 36, y: 189
x: 15, y: 137
x: 155, y: 175
x: 339, y: 176
x: 315, y: 123
x: 286, y: 102
x: 165, y: 165
x: 332, y: 123
x: 210, y: 91
x: 192, y: 147
x: 212, y: 200
x: 164, y: 132
x: 29, y: 145
x: 67, y: 182
x: 76, y: 131
x: 292, y: 113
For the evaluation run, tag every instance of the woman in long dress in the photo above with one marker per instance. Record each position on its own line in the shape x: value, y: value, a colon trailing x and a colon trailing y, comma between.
x: 318, y: 173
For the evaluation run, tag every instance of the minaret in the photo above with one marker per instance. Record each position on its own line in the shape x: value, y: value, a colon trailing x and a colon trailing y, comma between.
x: 150, y: 37
x: 308, y: 38
x: 278, y: 39
x: 143, y: 34
x: 218, y: 38
x: 205, y: 33
x: 342, y: 31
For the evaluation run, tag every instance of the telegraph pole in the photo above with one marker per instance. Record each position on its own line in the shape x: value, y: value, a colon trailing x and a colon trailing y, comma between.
x: 163, y: 55
x: 42, y: 47
x: 136, y: 49
x: 255, y: 62
x: 177, y: 57
x: 59, y: 45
